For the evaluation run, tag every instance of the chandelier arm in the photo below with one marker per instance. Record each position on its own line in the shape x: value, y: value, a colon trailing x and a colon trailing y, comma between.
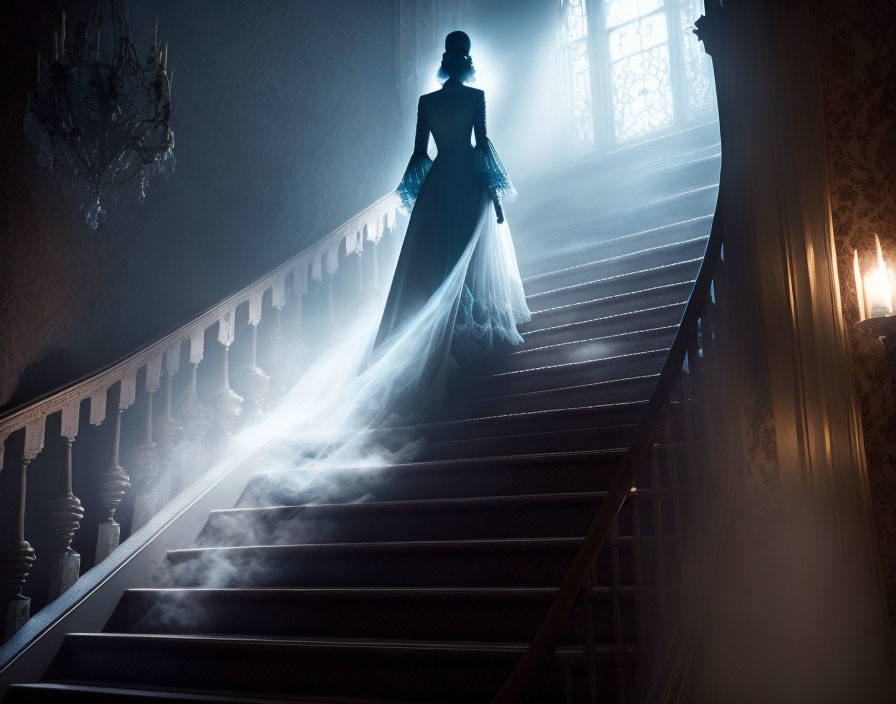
x: 81, y: 157
x: 62, y: 136
x: 61, y: 164
x: 162, y: 145
x: 130, y: 43
x: 118, y: 158
x: 93, y: 12
x: 58, y: 163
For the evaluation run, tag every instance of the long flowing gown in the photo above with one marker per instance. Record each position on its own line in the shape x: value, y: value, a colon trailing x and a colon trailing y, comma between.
x: 457, y: 278
x: 456, y: 294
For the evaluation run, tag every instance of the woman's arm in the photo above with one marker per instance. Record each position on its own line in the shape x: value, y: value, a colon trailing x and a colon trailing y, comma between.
x: 419, y: 164
x: 487, y: 162
x: 421, y: 139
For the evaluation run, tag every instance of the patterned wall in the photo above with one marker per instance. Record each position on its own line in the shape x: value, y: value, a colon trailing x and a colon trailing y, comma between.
x: 287, y: 122
x: 857, y: 52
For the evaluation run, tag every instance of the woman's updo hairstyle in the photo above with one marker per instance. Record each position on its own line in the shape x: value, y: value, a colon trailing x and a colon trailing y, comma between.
x: 456, y: 61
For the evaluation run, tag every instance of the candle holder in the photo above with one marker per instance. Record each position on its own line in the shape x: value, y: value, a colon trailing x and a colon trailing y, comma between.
x: 884, y: 329
x: 876, y: 298
x: 876, y: 290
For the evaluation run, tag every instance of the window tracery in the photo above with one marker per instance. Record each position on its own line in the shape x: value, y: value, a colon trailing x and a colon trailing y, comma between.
x: 641, y: 71
x: 574, y: 36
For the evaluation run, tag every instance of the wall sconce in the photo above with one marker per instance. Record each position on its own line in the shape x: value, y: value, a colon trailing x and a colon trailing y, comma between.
x: 875, y: 292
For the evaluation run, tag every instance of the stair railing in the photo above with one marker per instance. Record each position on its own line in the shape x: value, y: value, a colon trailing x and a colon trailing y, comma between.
x: 675, y: 421
x: 205, y: 423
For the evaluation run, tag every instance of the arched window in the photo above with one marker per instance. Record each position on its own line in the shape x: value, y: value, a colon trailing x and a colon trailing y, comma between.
x: 633, y: 68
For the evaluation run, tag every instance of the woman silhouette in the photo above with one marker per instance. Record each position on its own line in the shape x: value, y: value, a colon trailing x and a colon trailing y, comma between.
x: 456, y: 258
x: 456, y: 293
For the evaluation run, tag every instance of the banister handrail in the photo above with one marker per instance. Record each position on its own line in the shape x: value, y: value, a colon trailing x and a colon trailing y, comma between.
x: 202, y: 430
x: 369, y: 224
x: 624, y: 480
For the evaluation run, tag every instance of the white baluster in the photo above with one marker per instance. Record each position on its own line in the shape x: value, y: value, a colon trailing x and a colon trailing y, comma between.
x: 225, y: 403
x: 114, y: 482
x: 252, y: 382
x: 144, y: 457
x: 17, y: 555
x: 65, y: 514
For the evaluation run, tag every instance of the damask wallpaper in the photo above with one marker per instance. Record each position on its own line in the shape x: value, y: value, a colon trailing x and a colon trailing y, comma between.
x: 287, y: 122
x: 857, y: 54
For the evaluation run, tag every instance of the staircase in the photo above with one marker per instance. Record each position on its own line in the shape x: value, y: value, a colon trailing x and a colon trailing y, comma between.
x: 425, y: 581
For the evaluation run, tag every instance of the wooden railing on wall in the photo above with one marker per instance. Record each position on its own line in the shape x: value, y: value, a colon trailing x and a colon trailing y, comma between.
x: 203, y: 420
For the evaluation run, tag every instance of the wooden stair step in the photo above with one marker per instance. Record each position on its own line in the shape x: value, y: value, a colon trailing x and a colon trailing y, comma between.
x: 584, y: 243
x: 594, y: 438
x: 585, y: 349
x: 590, y: 470
x: 86, y: 693
x: 537, y: 334
x: 405, y: 669
x: 507, y: 424
x: 493, y: 517
x: 592, y: 300
x: 558, y: 377
x: 528, y: 562
x: 411, y: 613
x: 612, y: 269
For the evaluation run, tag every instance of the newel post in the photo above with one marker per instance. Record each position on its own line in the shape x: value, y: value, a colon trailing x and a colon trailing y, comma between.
x: 66, y: 514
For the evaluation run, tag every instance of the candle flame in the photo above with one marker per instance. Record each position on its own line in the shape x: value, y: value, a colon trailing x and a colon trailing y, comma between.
x: 860, y: 289
x: 878, y: 286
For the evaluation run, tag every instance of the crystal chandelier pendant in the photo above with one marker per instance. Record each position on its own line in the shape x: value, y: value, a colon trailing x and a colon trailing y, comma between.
x: 96, y: 215
x: 100, y: 116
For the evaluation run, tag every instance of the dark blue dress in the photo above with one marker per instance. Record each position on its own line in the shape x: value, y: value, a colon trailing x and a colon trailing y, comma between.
x: 450, y: 199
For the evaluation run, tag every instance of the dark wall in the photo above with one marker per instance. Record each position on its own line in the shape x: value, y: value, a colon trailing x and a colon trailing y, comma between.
x: 857, y: 54
x: 287, y: 123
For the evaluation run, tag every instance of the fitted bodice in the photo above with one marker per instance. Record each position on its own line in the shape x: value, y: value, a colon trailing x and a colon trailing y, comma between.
x: 451, y: 114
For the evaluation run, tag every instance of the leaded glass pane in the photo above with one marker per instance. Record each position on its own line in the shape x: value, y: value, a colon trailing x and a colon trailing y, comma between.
x: 576, y: 21
x: 621, y: 11
x: 637, y: 36
x: 698, y: 71
x: 639, y: 71
x: 575, y: 37
x: 642, y: 93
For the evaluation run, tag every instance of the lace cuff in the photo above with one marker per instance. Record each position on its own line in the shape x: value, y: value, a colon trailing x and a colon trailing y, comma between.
x: 492, y: 171
x: 413, y: 178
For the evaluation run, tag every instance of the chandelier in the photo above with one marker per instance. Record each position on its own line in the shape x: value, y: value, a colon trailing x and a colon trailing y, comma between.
x: 100, y: 115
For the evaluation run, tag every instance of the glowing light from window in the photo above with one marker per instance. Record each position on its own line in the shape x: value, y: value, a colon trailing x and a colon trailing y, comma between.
x: 574, y: 38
